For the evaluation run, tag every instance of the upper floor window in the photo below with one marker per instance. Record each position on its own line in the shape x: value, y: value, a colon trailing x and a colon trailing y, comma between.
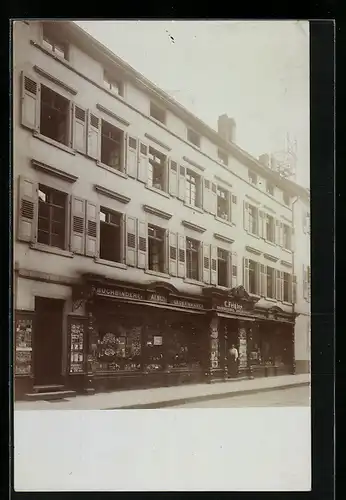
x: 270, y: 282
x: 270, y: 188
x: 253, y: 276
x: 157, y: 175
x: 110, y: 235
x: 51, y: 217
x: 223, y: 157
x: 306, y: 222
x: 113, y: 84
x: 158, y: 113
x: 253, y: 177
x: 193, y: 259
x: 286, y: 198
x: 253, y: 219
x: 222, y: 267
x: 54, y: 116
x: 53, y: 42
x: 112, y: 146
x: 156, y: 247
x: 193, y: 188
x: 287, y: 231
x: 287, y: 287
x: 223, y: 204
x: 193, y: 137
x: 270, y: 228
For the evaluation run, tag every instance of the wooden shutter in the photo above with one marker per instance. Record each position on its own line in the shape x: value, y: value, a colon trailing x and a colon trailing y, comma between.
x: 181, y: 192
x: 294, y: 289
x: 79, y: 133
x: 131, y: 241
x: 206, y: 195
x: 246, y: 216
x: 94, y: 136
x: 173, y: 178
x: 181, y: 256
x: 304, y: 222
x: 234, y: 202
x: 246, y: 283
x: 234, y: 269
x: 261, y: 224
x: 281, y: 234
x: 213, y: 199
x: 213, y: 266
x: 278, y: 287
x: 142, y: 244
x: 131, y: 156
x: 263, y: 280
x: 206, y: 263
x: 309, y: 282
x: 30, y: 102
x: 77, y: 238
x: 278, y: 232
x: 143, y: 162
x: 173, y: 253
x: 92, y: 229
x: 28, y: 209
x: 290, y: 288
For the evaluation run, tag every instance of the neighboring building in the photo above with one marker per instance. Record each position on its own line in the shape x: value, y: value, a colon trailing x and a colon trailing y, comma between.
x: 145, y: 242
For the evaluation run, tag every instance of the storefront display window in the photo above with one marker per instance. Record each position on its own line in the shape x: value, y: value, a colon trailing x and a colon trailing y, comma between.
x: 23, y: 355
x: 183, y: 349
x: 154, y: 351
x: 119, y: 349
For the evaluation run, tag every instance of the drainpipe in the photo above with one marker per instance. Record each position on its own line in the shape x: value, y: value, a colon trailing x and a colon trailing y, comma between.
x: 293, y: 272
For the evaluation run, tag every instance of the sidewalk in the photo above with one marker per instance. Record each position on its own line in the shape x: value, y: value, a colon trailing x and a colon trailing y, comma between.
x: 166, y: 396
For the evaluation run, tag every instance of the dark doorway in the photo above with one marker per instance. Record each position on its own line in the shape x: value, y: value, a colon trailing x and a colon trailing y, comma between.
x: 48, y: 341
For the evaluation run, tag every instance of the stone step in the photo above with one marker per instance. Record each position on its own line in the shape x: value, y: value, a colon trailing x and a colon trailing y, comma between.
x: 50, y: 396
x: 48, y: 388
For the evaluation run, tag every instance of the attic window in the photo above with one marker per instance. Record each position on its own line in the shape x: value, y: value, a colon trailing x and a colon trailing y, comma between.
x: 223, y: 157
x: 158, y: 113
x: 193, y: 137
x: 52, y: 41
x: 253, y: 177
x: 113, y: 84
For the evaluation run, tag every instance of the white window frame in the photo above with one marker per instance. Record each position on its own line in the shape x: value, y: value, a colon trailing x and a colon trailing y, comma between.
x: 123, y: 148
x: 121, y: 243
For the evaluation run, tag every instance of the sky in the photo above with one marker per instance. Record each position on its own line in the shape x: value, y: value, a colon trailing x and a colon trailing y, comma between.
x: 255, y: 71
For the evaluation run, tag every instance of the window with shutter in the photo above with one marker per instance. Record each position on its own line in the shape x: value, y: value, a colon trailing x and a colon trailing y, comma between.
x: 222, y: 267
x: 181, y: 192
x: 213, y: 265
x: 263, y: 284
x: 234, y: 269
x: 181, y: 256
x: 193, y: 195
x: 192, y: 259
x: 92, y: 229
x: 78, y: 207
x: 173, y: 178
x: 110, y: 235
x: 206, y: 263
x: 28, y: 208
x: 94, y: 136
x: 246, y: 274
x: 112, y: 146
x: 131, y: 241
x: 55, y: 116
x: 30, y: 102
x: 52, y: 212
x: 270, y: 292
x: 132, y: 156
x: 234, y: 202
x: 156, y: 244
x: 173, y: 243
x: 143, y: 163
x: 206, y: 195
x: 213, y: 199
x: 223, y: 204
x: 79, y: 136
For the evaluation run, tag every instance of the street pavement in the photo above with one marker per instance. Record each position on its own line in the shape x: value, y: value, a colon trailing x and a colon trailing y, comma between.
x: 296, y: 396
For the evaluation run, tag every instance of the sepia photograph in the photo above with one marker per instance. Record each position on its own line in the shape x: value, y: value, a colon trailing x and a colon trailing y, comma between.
x: 161, y: 217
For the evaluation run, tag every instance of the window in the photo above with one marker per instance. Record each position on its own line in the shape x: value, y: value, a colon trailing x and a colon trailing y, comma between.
x: 270, y: 282
x: 118, y: 346
x: 112, y: 140
x: 270, y: 188
x: 51, y: 217
x: 183, y: 349
x: 223, y: 157
x: 253, y: 219
x: 270, y: 228
x: 113, y: 84
x: 286, y: 290
x: 309, y: 282
x: 110, y: 235
x: 53, y: 42
x: 193, y: 188
x: 156, y: 244
x: 157, y: 177
x: 223, y: 204
x: 287, y: 237
x: 308, y: 223
x: 193, y: 137
x: 54, y: 119
x: 192, y: 259
x: 286, y: 198
x: 158, y: 113
x: 222, y: 267
x: 252, y: 177
x: 253, y: 276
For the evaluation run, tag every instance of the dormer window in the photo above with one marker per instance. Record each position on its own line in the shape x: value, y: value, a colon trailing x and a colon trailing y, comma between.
x: 113, y: 84
x: 253, y: 177
x: 193, y: 137
x: 157, y: 113
x: 286, y: 198
x: 53, y: 42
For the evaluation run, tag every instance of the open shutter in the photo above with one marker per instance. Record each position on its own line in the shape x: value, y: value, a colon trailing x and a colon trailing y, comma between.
x: 173, y: 253
x: 309, y: 282
x: 246, y: 274
x: 206, y: 195
x: 213, y: 266
x: 173, y: 178
x: 181, y: 192
x: 246, y: 216
x: 234, y: 202
x: 92, y: 229
x: 278, y: 287
x: 143, y: 162
x: 213, y: 199
x: 290, y: 286
x: 142, y: 244
x: 263, y: 282
x: 30, y: 102
x: 261, y: 222
x: 79, y: 134
x: 94, y: 136
x: 181, y: 256
x: 278, y: 232
x: 131, y: 156
x: 206, y: 263
x: 28, y: 209
x: 281, y: 234
x: 294, y: 289
x: 234, y: 271
x: 77, y: 241
x: 131, y: 241
x: 304, y: 222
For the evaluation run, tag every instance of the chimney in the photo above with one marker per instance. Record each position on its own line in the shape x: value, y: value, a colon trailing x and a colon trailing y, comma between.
x: 265, y: 160
x: 226, y: 127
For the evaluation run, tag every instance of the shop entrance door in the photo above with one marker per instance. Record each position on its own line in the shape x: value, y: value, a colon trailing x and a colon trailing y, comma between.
x: 48, y: 341
x: 232, y: 340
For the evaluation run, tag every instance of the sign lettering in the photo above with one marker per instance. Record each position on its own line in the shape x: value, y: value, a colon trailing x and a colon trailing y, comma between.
x: 184, y: 303
x: 157, y: 298
x: 230, y: 306
x: 109, y: 292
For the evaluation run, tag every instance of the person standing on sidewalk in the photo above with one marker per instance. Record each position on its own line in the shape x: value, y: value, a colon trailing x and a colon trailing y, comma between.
x: 233, y: 361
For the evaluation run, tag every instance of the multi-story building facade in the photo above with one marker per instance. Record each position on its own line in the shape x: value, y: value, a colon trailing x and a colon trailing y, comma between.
x: 145, y: 242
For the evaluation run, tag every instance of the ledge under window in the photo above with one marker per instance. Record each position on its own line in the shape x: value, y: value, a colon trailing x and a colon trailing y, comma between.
x: 111, y: 169
x: 270, y: 242
x: 56, y: 172
x: 193, y: 207
x: 54, y: 250
x: 57, y: 144
x: 224, y: 221
x: 157, y: 212
x: 223, y: 238
x: 253, y: 250
x: 112, y: 194
x: 157, y: 273
x: 55, y: 80
x: 194, y: 282
x: 193, y: 227
x: 110, y: 263
x: 288, y: 250
x: 270, y: 299
x: 254, y: 235
x: 158, y: 191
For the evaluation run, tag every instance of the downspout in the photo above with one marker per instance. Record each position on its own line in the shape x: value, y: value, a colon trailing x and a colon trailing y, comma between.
x: 293, y: 273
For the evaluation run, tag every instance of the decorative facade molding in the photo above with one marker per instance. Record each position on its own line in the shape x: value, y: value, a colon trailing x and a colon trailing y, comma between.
x: 158, y: 142
x: 223, y: 181
x: 55, y: 80
x: 112, y: 194
x: 193, y: 163
x: 110, y: 113
x: 252, y: 199
x: 157, y: 212
x: 285, y: 263
x: 56, y: 172
x: 270, y: 257
x: 253, y: 250
x: 221, y: 237
x: 193, y: 227
x: 269, y: 209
